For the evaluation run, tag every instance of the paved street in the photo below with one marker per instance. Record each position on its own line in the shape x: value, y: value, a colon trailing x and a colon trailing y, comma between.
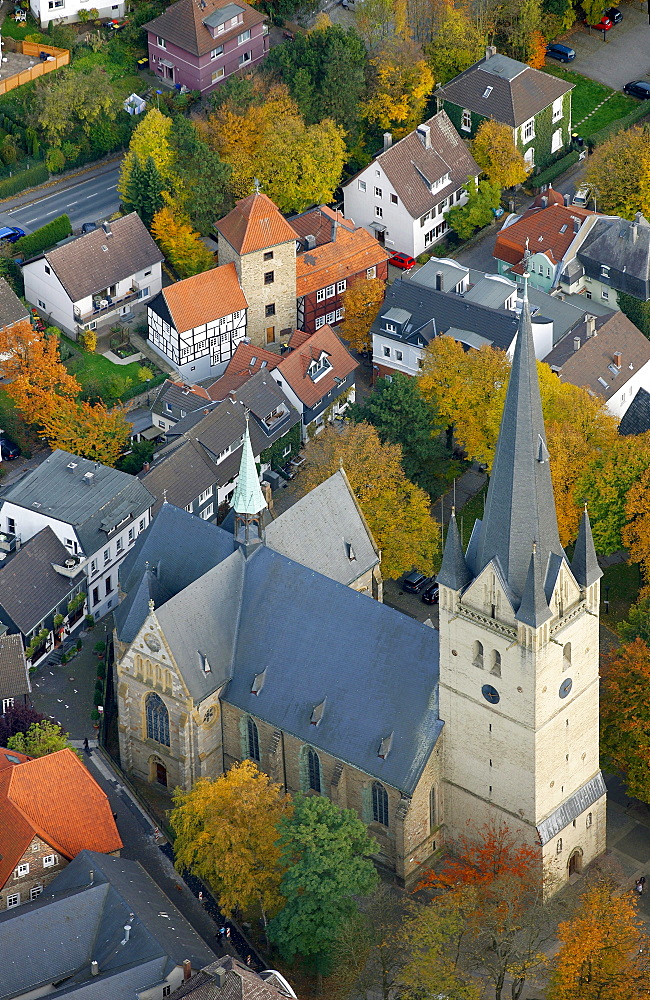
x: 87, y: 196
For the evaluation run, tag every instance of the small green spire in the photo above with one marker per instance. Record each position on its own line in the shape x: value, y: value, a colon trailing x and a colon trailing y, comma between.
x: 248, y: 497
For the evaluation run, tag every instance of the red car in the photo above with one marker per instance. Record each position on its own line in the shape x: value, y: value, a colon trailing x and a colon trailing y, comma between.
x: 603, y: 25
x: 401, y: 260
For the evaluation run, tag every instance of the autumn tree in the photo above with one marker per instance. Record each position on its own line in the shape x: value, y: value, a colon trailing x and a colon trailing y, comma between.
x: 625, y: 715
x: 402, y: 82
x: 89, y: 430
x: 17, y: 719
x: 41, y: 739
x: 432, y: 939
x: 604, y: 949
x: 226, y: 833
x: 40, y: 381
x: 606, y: 485
x: 619, y: 172
x: 373, y: 20
x: 361, y: 302
x: 68, y: 99
x: 326, y: 856
x: 180, y: 243
x: 456, y: 42
x: 478, y: 211
x: 636, y: 533
x: 15, y: 346
x: 151, y: 138
x: 495, y: 152
x: 397, y: 510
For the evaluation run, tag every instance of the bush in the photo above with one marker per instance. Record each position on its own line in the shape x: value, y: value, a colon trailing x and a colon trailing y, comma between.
x: 101, y: 671
x: 79, y: 645
x: 619, y: 125
x: 100, y: 647
x: 99, y: 686
x: 25, y: 179
x: 44, y: 238
x: 98, y: 698
x: 94, y: 715
x: 555, y: 169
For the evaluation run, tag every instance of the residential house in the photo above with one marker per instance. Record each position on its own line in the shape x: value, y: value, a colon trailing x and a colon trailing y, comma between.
x: 614, y: 257
x: 124, y: 938
x: 198, y: 44
x: 247, y: 361
x: 197, y: 468
x: 45, y: 11
x: 636, y: 419
x: 542, y: 241
x: 609, y: 356
x: 12, y: 311
x: 198, y: 322
x: 535, y: 105
x: 228, y: 979
x: 51, y: 809
x: 97, y: 278
x: 15, y: 685
x: 96, y: 512
x: 43, y: 593
x: 325, y: 269
x: 403, y: 195
x: 174, y: 400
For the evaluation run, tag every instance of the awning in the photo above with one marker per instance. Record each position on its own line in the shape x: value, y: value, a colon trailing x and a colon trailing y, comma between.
x: 166, y: 62
x: 377, y: 226
x: 151, y: 433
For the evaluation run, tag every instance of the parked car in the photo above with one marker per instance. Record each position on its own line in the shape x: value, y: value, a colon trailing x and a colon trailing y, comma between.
x: 614, y: 14
x: 286, y: 472
x: 11, y: 233
x: 561, y: 52
x: 88, y: 227
x: 431, y: 594
x: 297, y: 461
x: 8, y: 450
x: 638, y: 88
x: 415, y: 581
x: 401, y: 260
x: 603, y: 25
x: 582, y: 196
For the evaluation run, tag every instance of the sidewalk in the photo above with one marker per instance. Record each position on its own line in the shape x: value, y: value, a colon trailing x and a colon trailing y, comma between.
x: 66, y: 180
x: 465, y: 487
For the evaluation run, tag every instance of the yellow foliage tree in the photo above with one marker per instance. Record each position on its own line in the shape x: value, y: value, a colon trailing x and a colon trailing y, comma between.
x: 180, y: 243
x: 361, y: 303
x: 15, y: 345
x: 226, y: 833
x: 397, y: 511
x: 151, y: 138
x: 619, y: 171
x: 92, y: 431
x: 636, y: 533
x: 495, y: 152
x: 40, y: 382
x: 456, y: 43
x: 402, y: 84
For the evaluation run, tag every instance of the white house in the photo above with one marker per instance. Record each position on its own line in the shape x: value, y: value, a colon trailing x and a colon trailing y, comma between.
x: 96, y: 512
x: 68, y: 10
x: 97, y: 278
x: 403, y: 195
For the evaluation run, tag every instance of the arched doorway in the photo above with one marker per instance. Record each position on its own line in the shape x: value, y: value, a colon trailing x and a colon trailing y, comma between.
x: 575, y: 862
x: 157, y: 771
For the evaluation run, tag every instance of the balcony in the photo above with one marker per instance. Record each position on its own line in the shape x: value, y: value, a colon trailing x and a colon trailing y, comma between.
x: 9, y: 542
x: 105, y: 306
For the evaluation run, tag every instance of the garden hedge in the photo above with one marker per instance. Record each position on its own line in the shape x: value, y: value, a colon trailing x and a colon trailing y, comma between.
x: 25, y: 179
x: 44, y: 238
x: 555, y: 169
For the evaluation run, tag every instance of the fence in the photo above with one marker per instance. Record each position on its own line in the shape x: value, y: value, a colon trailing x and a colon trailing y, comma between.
x: 61, y: 57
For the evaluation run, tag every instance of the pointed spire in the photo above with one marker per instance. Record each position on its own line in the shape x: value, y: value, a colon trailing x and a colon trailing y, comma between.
x: 534, y: 609
x: 248, y: 497
x: 520, y: 506
x: 453, y: 572
x: 584, y: 564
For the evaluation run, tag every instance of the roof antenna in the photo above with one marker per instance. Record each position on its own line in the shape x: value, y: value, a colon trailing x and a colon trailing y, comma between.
x: 164, y: 496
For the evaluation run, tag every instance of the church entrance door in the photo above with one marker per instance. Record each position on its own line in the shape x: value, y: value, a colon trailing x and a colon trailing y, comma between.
x: 575, y: 863
x: 161, y: 774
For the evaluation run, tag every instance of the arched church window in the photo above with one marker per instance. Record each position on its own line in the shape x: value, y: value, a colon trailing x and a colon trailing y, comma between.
x: 495, y: 667
x: 566, y: 658
x: 379, y: 803
x: 314, y: 770
x: 253, y: 740
x: 433, y: 814
x: 478, y: 654
x: 157, y: 719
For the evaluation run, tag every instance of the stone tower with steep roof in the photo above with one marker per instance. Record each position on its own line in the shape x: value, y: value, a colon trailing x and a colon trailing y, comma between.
x: 519, y: 653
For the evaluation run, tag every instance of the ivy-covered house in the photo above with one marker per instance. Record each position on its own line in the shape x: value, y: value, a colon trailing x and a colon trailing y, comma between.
x: 536, y: 105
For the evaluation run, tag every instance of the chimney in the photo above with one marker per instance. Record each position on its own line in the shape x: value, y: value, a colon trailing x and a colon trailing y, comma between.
x: 576, y: 343
x: 576, y: 226
x: 567, y: 200
x: 591, y: 325
x: 334, y: 228
x: 618, y: 359
x: 220, y: 977
x: 490, y: 51
x: 440, y: 281
x: 127, y: 934
x: 634, y: 231
x: 94, y: 968
x: 91, y: 873
x: 424, y: 133
x: 187, y: 969
x: 145, y: 466
x: 388, y: 140
x: 544, y: 201
x: 107, y: 229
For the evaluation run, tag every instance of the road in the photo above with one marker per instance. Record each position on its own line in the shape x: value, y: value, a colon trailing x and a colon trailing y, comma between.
x: 92, y: 197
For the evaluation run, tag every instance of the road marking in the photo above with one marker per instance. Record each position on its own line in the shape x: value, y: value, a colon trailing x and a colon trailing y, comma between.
x: 92, y: 195
x: 28, y: 221
x: 112, y: 187
x: 72, y: 203
x: 51, y: 213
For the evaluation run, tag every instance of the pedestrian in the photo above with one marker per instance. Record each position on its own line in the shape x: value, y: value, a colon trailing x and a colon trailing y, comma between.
x: 86, y: 747
x: 639, y: 886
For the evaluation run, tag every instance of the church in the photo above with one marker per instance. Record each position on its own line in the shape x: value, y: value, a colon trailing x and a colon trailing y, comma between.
x: 267, y: 639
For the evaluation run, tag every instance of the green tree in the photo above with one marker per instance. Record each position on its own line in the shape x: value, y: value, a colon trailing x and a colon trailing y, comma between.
x: 456, y: 44
x: 477, y: 212
x: 143, y: 192
x: 625, y: 715
x: 202, y: 187
x: 41, y: 738
x: 606, y: 484
x: 637, y: 311
x: 325, y: 852
x: 150, y: 138
x: 402, y: 416
x: 374, y: 22
x: 432, y: 939
x: 68, y: 100
x: 637, y: 624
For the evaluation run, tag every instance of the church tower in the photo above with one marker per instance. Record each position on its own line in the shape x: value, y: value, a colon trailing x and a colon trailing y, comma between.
x: 519, y: 653
x: 248, y: 501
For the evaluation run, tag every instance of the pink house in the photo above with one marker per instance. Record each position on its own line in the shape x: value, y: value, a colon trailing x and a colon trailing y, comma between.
x: 200, y: 43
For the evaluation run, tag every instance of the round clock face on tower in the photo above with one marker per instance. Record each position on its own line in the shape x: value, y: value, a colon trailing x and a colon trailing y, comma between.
x: 490, y: 694
x: 565, y: 687
x: 152, y: 642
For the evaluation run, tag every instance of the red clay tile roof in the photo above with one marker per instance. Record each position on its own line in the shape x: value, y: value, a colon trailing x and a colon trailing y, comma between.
x: 317, y: 222
x: 255, y: 223
x: 204, y: 297
x: 6, y: 755
x: 297, y: 338
x: 294, y: 366
x: 350, y: 254
x: 58, y: 800
x: 543, y: 229
x: 245, y: 362
x: 182, y: 24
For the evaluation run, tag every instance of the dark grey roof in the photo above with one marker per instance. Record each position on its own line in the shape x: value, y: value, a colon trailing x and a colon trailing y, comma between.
x: 520, y: 508
x: 454, y: 572
x: 93, y: 506
x: 584, y: 564
x: 534, y: 609
x: 179, y: 396
x: 450, y: 271
x: 433, y: 313
x: 30, y: 587
x: 636, y: 419
x: 184, y: 471
x: 571, y: 808
x: 223, y: 14
x: 624, y: 247
x: 72, y: 923
x: 502, y: 88
x: 326, y: 531
x: 11, y: 308
x: 14, y: 677
x: 241, y: 983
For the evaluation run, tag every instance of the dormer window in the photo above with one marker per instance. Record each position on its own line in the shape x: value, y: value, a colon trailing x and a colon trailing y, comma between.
x: 604, y: 271
x: 319, y: 366
x: 389, y: 327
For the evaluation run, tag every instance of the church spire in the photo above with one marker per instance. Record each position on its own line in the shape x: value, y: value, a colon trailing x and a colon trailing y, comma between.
x: 248, y: 500
x: 453, y: 571
x: 584, y: 564
x: 520, y: 507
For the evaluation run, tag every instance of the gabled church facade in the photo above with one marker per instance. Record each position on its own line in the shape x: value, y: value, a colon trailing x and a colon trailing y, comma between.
x: 257, y: 644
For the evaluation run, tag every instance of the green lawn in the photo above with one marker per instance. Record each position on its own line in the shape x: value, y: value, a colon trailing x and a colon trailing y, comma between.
x: 468, y: 514
x: 97, y: 372
x: 586, y: 95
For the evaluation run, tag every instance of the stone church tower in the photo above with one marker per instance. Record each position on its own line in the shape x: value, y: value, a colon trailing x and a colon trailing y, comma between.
x: 519, y: 653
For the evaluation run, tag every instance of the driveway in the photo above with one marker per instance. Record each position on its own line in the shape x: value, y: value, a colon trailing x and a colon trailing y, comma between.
x: 623, y: 55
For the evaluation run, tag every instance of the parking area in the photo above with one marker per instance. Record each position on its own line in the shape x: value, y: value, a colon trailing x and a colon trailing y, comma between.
x: 623, y: 54
x: 409, y: 604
